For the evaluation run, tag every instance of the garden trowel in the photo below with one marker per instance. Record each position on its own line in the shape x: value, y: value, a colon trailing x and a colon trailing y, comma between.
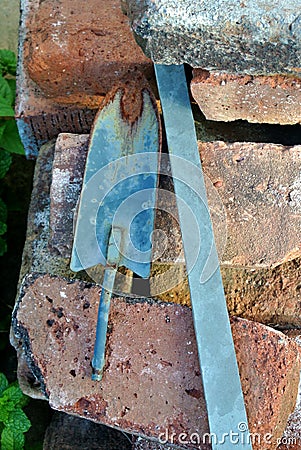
x: 115, y: 217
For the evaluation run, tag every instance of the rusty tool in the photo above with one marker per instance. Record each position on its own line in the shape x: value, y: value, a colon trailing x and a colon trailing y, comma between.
x: 116, y: 209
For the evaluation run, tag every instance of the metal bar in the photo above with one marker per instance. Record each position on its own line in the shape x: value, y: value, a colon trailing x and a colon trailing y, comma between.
x: 113, y: 258
x: 98, y: 360
x: 221, y: 381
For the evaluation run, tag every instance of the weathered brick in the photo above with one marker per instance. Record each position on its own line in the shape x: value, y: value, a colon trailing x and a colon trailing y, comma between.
x: 263, y: 99
x: 148, y: 341
x: 260, y: 187
x: 271, y: 296
x: 70, y: 56
x: 67, y: 175
x: 257, y: 185
x: 291, y: 439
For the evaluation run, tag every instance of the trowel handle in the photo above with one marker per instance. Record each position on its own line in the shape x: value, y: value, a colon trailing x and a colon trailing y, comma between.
x: 98, y: 360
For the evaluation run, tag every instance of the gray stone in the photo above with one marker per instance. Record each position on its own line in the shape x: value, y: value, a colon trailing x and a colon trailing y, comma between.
x: 145, y: 444
x: 67, y: 432
x: 249, y: 36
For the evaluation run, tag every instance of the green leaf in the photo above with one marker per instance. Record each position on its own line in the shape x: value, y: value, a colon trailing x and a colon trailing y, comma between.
x: 6, y: 93
x: 18, y: 421
x: 12, y: 439
x: 10, y: 140
x: 3, y: 218
x: 12, y: 395
x: 3, y: 246
x: 12, y: 85
x: 3, y: 228
x: 5, y: 109
x: 4, y: 414
x: 5, y: 162
x: 8, y: 62
x: 3, y: 381
x: 2, y: 127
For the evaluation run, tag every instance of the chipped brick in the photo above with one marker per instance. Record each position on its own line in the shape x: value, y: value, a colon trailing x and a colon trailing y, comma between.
x: 262, y: 99
x: 139, y: 344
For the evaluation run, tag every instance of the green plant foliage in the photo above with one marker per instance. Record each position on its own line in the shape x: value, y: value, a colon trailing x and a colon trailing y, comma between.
x: 13, y: 421
x: 10, y: 141
x: 5, y: 162
x: 8, y: 62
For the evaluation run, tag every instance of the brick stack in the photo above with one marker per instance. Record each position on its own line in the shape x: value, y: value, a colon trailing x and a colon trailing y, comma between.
x: 70, y: 57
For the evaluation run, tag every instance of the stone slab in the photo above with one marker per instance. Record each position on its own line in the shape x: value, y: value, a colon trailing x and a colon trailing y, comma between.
x: 69, y: 58
x: 67, y: 432
x: 152, y: 383
x: 257, y: 99
x: 145, y: 444
x: 252, y: 36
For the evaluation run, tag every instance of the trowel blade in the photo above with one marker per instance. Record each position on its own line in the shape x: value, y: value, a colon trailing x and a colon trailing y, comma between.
x: 119, y: 183
x: 221, y: 381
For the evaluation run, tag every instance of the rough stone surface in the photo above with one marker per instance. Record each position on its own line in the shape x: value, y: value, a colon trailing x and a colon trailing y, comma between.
x: 37, y: 255
x: 67, y: 432
x: 228, y: 97
x: 148, y: 341
x: 145, y: 444
x: 70, y: 56
x: 239, y: 37
x: 67, y: 175
x: 291, y: 439
x: 260, y: 187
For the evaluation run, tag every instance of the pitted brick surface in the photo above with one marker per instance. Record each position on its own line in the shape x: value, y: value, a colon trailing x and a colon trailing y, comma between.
x: 67, y: 175
x: 152, y: 380
x: 251, y: 188
x: 70, y: 55
x: 228, y: 97
x: 80, y: 48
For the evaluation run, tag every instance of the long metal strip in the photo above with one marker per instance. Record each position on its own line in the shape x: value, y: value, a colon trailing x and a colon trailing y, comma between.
x: 221, y: 381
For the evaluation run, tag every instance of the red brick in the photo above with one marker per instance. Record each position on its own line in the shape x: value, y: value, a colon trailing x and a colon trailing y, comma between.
x: 260, y: 188
x: 271, y: 296
x: 262, y: 99
x: 291, y: 439
x: 70, y: 56
x: 251, y: 188
x: 152, y: 380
